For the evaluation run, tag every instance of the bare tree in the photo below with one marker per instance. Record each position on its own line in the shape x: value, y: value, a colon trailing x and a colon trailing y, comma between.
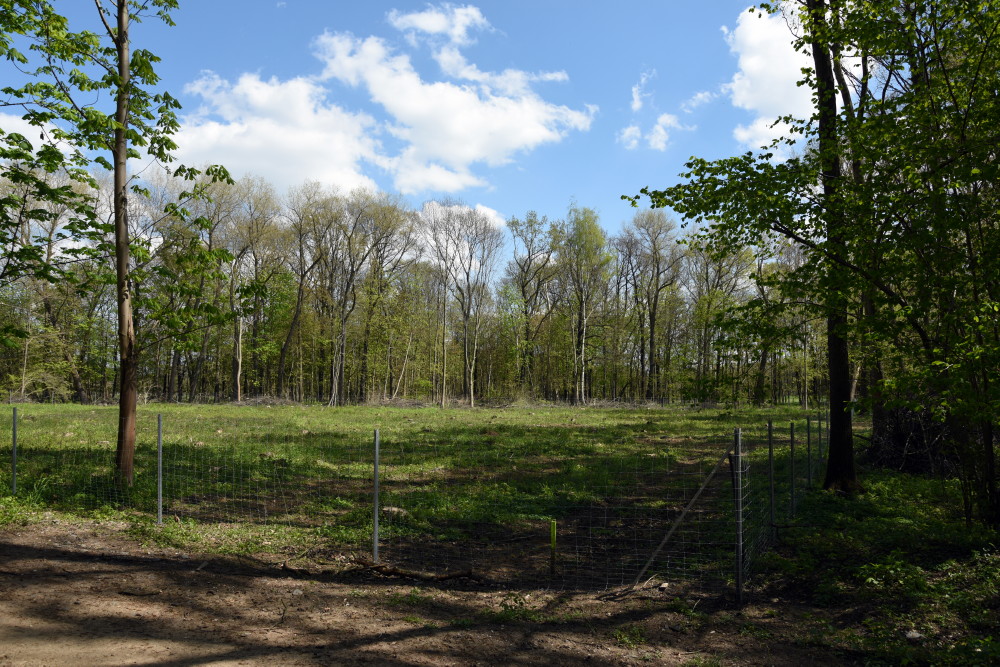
x: 467, y: 244
x: 311, y: 215
x: 657, y: 267
x: 393, y: 249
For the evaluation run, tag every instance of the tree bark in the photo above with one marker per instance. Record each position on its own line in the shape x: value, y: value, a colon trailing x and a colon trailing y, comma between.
x: 237, y: 367
x: 840, y: 471
x: 444, y: 349
x: 127, y: 344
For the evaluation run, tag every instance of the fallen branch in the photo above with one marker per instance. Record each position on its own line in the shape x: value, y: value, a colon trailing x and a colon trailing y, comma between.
x: 391, y: 570
x: 302, y: 554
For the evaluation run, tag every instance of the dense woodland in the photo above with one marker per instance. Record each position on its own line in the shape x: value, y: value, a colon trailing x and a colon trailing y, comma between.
x: 348, y: 298
x: 856, y: 259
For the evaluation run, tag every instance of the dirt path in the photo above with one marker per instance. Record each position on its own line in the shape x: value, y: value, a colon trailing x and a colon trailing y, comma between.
x: 83, y: 594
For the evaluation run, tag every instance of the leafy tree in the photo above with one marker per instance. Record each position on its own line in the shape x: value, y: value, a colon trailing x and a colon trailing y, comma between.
x: 585, y: 260
x: 531, y: 272
x: 65, y: 71
x: 749, y: 196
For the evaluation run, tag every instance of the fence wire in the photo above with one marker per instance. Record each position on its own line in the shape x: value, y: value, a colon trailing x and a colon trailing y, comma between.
x: 497, y: 503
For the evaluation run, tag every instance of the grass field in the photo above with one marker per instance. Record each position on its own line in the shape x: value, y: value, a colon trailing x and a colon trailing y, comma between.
x: 459, y: 488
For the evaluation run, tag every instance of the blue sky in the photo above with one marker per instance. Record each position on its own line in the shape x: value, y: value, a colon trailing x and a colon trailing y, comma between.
x: 510, y: 105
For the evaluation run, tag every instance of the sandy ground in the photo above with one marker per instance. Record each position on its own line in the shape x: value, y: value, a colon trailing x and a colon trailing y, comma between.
x: 84, y: 594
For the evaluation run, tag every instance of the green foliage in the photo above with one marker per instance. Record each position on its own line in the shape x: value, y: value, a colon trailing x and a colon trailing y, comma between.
x: 48, y: 186
x: 514, y: 608
x: 978, y: 652
x: 630, y: 636
x: 13, y: 511
x: 903, y: 555
x: 413, y: 598
x: 894, y: 575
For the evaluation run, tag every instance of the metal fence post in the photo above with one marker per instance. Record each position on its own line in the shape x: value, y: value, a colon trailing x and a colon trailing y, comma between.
x: 375, y: 516
x: 159, y: 470
x: 13, y: 456
x: 809, y: 455
x: 826, y: 421
x: 819, y: 437
x: 738, y: 483
x: 770, y: 478
x: 791, y: 469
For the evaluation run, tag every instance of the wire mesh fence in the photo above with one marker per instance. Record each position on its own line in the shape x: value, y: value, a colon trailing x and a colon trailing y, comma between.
x: 609, y: 508
x: 503, y: 503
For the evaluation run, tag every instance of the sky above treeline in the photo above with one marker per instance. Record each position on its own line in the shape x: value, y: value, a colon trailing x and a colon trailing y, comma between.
x: 508, y: 105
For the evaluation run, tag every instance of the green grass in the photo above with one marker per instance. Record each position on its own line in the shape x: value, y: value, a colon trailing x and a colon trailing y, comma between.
x: 629, y: 636
x: 413, y: 598
x: 260, y: 478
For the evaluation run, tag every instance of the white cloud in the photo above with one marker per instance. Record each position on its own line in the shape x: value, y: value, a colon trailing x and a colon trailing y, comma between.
x: 36, y: 135
x: 436, y: 209
x: 630, y: 137
x: 11, y: 123
x: 441, y: 129
x: 448, y: 127
x: 447, y: 212
x: 638, y: 91
x: 658, y: 137
x: 445, y: 20
x: 413, y: 174
x: 492, y: 214
x: 697, y: 100
x: 507, y: 82
x: 284, y: 131
x: 765, y: 83
x: 760, y: 133
x: 446, y: 29
x: 636, y: 98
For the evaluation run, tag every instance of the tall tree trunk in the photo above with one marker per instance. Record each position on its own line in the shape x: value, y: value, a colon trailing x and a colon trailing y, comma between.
x: 173, y: 388
x: 292, y: 328
x: 526, y: 358
x: 365, y: 353
x: 761, y: 379
x: 198, y: 367
x: 989, y: 457
x: 334, y: 375
x: 470, y: 363
x: 652, y: 388
x: 444, y: 352
x: 840, y: 471
x: 127, y: 344
x: 24, y: 368
x: 581, y: 338
x: 237, y: 357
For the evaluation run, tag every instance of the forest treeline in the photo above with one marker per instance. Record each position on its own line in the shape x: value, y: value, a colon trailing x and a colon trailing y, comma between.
x: 354, y: 297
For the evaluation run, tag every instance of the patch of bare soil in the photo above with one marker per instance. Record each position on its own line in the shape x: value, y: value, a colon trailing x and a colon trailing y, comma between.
x: 84, y: 594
